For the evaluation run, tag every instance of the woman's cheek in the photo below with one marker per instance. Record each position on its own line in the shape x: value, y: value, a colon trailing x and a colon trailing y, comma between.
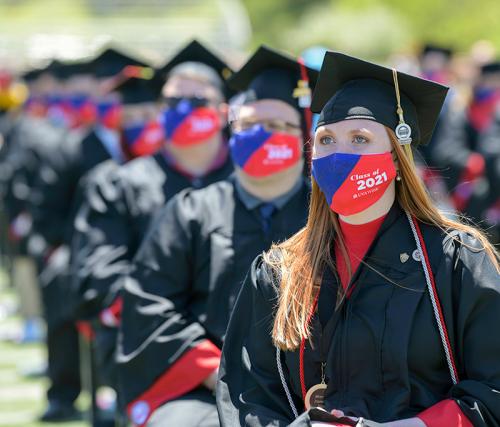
x: 321, y: 150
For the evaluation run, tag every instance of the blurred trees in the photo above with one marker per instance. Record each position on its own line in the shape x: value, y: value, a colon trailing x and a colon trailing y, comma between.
x: 373, y: 28
x: 34, y: 30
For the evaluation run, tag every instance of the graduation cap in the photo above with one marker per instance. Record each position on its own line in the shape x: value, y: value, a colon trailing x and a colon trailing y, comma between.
x: 350, y: 88
x: 194, y: 51
x: 66, y: 70
x: 270, y: 74
x: 490, y: 68
x: 111, y: 61
x: 433, y: 48
x: 51, y: 69
x: 137, y: 85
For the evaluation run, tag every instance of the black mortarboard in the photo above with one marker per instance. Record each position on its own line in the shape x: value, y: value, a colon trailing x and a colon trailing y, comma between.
x: 35, y: 73
x: 196, y: 52
x: 433, y: 48
x: 138, y: 85
x: 269, y: 74
x: 66, y: 70
x: 111, y: 61
x: 350, y: 88
x: 490, y: 68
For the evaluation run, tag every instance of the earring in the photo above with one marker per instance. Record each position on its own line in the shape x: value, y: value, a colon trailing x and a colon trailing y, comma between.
x: 398, y: 177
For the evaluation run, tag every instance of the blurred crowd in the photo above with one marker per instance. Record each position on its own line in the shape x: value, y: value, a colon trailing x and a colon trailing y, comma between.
x: 463, y: 154
x: 76, y: 203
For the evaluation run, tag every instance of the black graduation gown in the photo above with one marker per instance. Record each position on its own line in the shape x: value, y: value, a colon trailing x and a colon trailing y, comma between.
x: 5, y: 122
x: 187, y: 274
x: 29, y: 142
x: 53, y: 215
x: 8, y: 127
x: 37, y: 147
x: 384, y: 358
x: 53, y: 211
x: 5, y: 249
x: 454, y: 141
x: 119, y: 202
x: 489, y: 147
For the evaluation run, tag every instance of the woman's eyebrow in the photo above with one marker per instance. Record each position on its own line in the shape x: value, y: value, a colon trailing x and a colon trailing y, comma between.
x: 361, y: 130
x: 326, y: 130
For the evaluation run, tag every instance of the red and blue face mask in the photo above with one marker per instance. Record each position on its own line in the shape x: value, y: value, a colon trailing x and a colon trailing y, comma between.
x: 436, y: 76
x: 59, y: 111
x: 189, y: 121
x: 83, y: 110
x: 352, y: 183
x: 261, y: 153
x: 144, y: 139
x: 36, y: 106
x: 483, y: 107
x: 109, y: 114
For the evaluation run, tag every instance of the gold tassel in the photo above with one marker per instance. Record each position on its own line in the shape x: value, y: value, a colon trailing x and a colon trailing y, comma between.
x: 399, y: 110
x: 409, y: 152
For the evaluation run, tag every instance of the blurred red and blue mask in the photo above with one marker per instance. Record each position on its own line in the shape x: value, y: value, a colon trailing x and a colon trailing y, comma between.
x: 83, y: 110
x: 483, y: 107
x: 109, y: 114
x: 261, y: 153
x: 36, y: 106
x: 144, y: 139
x: 189, y: 121
x: 352, y: 183
x: 437, y: 76
x: 59, y: 111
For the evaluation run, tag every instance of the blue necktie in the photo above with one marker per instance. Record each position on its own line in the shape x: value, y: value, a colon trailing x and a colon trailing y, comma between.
x: 266, y: 212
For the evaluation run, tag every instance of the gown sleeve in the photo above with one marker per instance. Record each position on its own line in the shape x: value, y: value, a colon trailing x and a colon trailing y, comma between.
x: 56, y: 182
x: 249, y: 390
x: 476, y: 301
x: 100, y: 243
x: 452, y: 149
x: 164, y: 351
x: 444, y: 413
x: 489, y: 147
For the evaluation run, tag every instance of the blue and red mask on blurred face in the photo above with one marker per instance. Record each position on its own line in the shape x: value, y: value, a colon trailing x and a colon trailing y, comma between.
x: 352, y: 183
x: 144, y: 139
x: 36, y: 106
x: 83, y: 110
x: 109, y: 114
x: 261, y: 153
x: 483, y: 107
x: 59, y: 111
x: 189, y: 121
x: 436, y: 76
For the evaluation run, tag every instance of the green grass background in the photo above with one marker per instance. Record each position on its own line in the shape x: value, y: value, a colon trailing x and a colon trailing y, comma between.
x: 22, y: 400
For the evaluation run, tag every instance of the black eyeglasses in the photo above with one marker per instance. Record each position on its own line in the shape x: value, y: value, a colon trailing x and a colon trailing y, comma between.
x: 268, y: 125
x: 196, y: 102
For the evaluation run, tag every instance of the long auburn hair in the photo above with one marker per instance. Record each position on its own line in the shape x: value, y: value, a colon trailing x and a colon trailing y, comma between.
x: 300, y: 261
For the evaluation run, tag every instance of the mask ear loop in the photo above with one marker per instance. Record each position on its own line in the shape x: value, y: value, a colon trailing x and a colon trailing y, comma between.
x: 403, y: 130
